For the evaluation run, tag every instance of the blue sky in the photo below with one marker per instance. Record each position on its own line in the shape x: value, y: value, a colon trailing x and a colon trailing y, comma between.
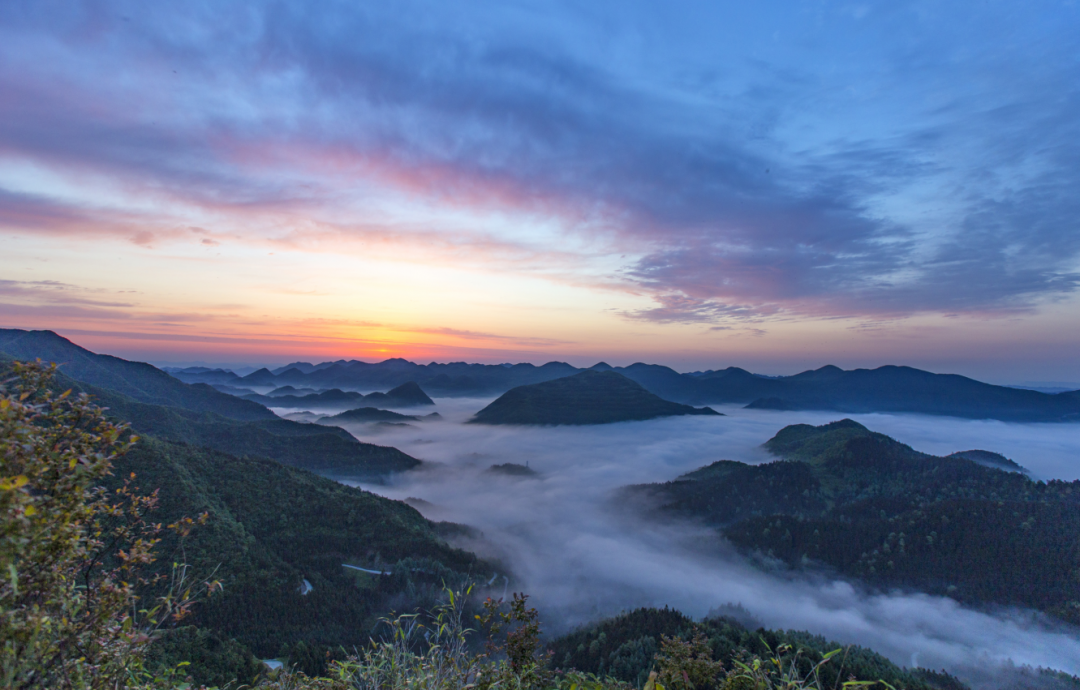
x: 776, y: 184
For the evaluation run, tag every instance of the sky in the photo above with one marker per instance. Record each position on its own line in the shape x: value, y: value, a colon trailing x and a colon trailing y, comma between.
x: 774, y: 185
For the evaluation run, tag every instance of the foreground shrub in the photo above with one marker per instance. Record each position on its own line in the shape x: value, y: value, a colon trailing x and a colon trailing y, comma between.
x: 72, y: 556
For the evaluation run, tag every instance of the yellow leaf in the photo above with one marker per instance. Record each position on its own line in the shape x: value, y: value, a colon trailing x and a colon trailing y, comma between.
x: 30, y: 510
x: 14, y: 482
x: 4, y: 404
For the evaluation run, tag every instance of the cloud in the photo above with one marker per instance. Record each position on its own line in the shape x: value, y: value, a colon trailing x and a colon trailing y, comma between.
x: 581, y: 558
x: 475, y: 335
x: 54, y: 292
x: 759, y: 191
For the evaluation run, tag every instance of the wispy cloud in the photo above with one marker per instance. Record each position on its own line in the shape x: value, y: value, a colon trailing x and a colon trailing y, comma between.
x: 931, y: 182
x: 527, y: 341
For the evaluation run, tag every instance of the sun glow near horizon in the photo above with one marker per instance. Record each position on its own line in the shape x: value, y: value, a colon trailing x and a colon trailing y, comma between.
x: 551, y: 196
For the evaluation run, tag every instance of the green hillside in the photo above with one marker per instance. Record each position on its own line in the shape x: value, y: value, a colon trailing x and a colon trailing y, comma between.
x: 871, y: 508
x: 590, y: 397
x: 137, y: 380
x: 272, y: 526
x: 624, y: 646
x: 326, y: 450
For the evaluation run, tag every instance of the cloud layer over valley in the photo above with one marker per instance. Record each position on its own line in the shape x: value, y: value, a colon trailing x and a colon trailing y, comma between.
x: 582, y: 558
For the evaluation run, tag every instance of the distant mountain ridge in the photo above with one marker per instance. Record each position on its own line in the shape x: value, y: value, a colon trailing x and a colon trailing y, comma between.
x: 588, y: 397
x: 408, y: 394
x: 885, y: 389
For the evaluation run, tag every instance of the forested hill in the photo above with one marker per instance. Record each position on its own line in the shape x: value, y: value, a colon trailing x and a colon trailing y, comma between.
x: 321, y: 448
x: 278, y: 537
x: 624, y: 647
x: 137, y: 380
x: 589, y: 397
x: 885, y: 389
x: 272, y: 528
x: 326, y: 450
x: 871, y: 508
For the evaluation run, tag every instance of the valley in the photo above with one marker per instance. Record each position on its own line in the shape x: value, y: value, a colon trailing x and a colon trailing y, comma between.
x: 583, y: 517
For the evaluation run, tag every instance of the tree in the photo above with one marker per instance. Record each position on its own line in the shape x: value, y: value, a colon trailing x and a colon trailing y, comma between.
x: 72, y: 555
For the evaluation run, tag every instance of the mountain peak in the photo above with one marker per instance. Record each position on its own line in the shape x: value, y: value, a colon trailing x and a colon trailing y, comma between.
x: 588, y: 397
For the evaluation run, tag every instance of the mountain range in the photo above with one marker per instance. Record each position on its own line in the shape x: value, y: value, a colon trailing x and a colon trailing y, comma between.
x: 885, y: 389
x: 408, y: 394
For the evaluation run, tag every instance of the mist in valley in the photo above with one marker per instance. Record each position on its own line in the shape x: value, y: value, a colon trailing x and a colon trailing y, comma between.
x: 582, y: 555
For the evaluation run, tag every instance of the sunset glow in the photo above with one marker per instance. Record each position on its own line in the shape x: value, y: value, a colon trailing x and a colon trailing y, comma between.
x: 695, y: 186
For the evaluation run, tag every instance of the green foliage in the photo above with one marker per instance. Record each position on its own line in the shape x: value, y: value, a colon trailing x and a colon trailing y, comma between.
x: 74, y: 556
x: 626, y: 647
x: 686, y: 664
x: 781, y: 670
x: 211, y: 659
x: 525, y: 666
x: 271, y: 527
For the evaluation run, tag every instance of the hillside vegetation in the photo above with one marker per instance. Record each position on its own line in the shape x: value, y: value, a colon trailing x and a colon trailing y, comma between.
x: 326, y: 450
x: 624, y: 647
x: 137, y: 380
x: 277, y: 539
x: 272, y: 527
x: 871, y: 508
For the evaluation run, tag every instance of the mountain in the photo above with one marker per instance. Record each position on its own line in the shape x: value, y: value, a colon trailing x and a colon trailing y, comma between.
x: 589, y: 397
x: 137, y: 380
x: 902, y: 389
x: 408, y: 394
x: 513, y: 469
x: 870, y: 508
x: 203, y: 375
x: 322, y: 449
x: 368, y: 414
x: 325, y: 450
x: 278, y: 537
x: 885, y: 389
x: 273, y: 527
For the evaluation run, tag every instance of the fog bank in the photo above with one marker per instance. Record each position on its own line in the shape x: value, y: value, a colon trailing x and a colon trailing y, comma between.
x: 581, y: 561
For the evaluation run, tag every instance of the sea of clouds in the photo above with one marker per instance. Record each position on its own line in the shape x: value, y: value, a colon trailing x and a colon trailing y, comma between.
x: 582, y: 555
